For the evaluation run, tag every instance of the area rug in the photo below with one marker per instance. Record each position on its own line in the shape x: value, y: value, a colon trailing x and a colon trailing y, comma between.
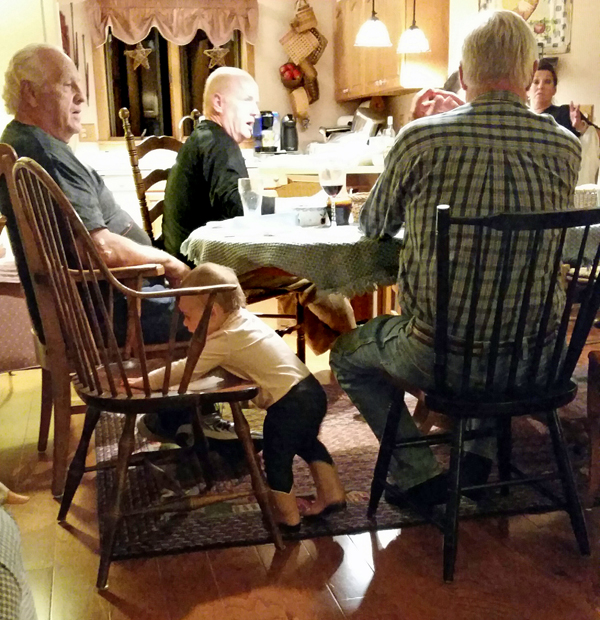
x: 354, y: 449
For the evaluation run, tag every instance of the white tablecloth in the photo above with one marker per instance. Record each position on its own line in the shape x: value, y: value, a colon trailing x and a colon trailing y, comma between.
x: 337, y: 260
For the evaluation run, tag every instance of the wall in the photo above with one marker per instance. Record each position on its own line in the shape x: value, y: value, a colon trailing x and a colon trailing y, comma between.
x: 578, y: 70
x: 77, y: 22
x: 274, y: 19
x: 24, y: 22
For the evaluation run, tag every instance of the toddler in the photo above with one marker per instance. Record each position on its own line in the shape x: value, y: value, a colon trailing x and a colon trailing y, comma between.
x: 242, y: 344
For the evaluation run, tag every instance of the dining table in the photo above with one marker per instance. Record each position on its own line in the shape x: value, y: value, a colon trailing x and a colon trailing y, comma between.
x: 336, y: 259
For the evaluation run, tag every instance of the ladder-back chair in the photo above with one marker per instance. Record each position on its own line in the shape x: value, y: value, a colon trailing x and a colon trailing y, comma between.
x: 529, y: 352
x: 150, y: 213
x: 75, y: 290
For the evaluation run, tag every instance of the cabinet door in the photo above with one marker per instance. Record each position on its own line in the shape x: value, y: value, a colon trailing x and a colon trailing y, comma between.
x: 365, y: 72
x: 349, y: 64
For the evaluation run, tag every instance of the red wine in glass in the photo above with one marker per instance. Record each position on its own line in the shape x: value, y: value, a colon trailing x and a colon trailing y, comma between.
x: 332, y: 190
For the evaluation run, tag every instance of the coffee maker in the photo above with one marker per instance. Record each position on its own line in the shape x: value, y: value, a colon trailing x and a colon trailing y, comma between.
x: 266, y: 132
x: 289, y: 134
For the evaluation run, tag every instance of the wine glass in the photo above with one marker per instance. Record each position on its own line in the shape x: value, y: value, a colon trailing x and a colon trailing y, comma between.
x: 251, y: 195
x: 332, y: 178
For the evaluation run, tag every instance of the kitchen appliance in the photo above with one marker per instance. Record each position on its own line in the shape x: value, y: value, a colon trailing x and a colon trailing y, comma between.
x: 365, y: 122
x: 266, y: 132
x: 289, y: 133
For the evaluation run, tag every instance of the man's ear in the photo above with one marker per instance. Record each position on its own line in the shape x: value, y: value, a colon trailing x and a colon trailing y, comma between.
x: 461, y: 79
x: 217, y: 103
x: 29, y: 93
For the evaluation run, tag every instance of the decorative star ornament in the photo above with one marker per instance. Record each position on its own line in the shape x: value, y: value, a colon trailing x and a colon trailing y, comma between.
x: 139, y: 56
x: 217, y: 56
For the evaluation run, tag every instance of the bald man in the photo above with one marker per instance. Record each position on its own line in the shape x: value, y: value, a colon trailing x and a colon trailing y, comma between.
x: 202, y: 185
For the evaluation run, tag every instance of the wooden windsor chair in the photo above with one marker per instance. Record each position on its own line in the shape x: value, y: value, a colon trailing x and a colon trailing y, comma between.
x: 529, y: 374
x: 71, y: 282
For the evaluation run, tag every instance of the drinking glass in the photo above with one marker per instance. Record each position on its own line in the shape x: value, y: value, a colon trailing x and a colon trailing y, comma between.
x: 332, y: 178
x: 251, y: 194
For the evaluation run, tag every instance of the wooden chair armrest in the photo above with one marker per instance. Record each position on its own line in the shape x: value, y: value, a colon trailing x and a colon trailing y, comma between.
x: 126, y: 273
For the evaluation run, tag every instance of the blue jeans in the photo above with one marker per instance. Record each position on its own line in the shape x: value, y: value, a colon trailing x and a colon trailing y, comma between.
x: 370, y: 364
x: 155, y: 318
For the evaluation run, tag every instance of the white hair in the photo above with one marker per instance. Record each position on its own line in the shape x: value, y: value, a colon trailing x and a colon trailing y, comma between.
x: 24, y: 66
x: 500, y: 47
x: 220, y: 81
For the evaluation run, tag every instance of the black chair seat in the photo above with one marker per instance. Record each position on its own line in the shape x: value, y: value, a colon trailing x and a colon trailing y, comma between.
x: 488, y: 404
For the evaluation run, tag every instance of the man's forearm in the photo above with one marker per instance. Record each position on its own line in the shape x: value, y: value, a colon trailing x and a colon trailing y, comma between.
x: 118, y: 251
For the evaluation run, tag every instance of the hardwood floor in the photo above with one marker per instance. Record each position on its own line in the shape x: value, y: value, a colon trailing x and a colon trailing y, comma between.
x: 523, y: 567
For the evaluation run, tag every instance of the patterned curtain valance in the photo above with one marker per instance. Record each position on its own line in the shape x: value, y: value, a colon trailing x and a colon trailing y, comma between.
x: 177, y: 20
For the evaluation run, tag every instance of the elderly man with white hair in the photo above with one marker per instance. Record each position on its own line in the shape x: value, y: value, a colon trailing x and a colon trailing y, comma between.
x: 488, y: 156
x: 43, y: 91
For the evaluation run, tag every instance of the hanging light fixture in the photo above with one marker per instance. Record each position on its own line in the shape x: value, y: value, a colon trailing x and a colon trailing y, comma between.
x: 373, y: 33
x: 413, y: 39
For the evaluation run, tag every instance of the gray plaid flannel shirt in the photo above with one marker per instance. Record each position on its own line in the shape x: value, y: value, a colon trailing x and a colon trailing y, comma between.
x: 492, y: 155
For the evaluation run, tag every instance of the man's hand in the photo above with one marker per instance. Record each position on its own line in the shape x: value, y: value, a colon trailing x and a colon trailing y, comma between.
x: 576, y: 120
x: 175, y: 271
x: 118, y: 251
x: 433, y: 101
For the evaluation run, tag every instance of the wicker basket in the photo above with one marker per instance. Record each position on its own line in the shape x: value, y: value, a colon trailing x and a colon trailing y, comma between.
x: 299, y: 46
x: 305, y: 17
x: 314, y: 56
x: 358, y: 200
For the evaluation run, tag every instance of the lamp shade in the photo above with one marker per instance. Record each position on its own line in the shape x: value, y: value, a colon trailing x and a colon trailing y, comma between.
x: 373, y: 33
x: 413, y: 41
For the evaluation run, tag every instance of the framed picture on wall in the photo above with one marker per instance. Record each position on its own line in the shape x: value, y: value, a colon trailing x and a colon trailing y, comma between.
x: 550, y: 20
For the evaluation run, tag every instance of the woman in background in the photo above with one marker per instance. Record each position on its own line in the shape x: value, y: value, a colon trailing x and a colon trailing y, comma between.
x: 541, y: 92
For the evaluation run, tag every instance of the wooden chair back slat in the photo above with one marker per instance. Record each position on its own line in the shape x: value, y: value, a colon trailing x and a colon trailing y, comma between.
x: 523, y: 313
x: 470, y: 331
x: 32, y: 192
x: 544, y: 236
x: 504, y: 282
x: 144, y: 183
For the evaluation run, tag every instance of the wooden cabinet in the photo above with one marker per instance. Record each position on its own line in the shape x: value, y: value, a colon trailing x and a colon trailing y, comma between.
x: 364, y: 72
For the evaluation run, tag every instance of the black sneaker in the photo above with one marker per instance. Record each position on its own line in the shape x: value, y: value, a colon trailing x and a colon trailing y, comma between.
x: 427, y: 494
x: 151, y: 427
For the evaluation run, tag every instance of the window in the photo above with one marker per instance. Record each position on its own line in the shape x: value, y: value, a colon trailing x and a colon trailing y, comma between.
x: 147, y: 93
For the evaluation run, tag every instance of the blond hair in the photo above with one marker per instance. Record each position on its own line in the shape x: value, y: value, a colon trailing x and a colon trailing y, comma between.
x: 25, y: 66
x: 221, y: 81
x: 500, y: 47
x: 208, y: 274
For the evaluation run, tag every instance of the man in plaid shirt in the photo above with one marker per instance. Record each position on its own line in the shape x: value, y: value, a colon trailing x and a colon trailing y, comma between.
x: 492, y: 154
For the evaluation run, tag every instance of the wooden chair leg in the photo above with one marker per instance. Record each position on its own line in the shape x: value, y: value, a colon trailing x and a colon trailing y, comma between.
x: 259, y: 485
x: 382, y: 466
x: 77, y: 467
x: 574, y: 507
x: 451, y: 518
x: 61, y: 392
x: 46, y: 410
x: 201, y: 447
x: 126, y: 446
x: 593, y: 426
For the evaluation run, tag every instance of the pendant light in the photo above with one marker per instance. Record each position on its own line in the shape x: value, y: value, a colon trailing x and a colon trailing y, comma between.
x: 373, y: 33
x: 413, y: 39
